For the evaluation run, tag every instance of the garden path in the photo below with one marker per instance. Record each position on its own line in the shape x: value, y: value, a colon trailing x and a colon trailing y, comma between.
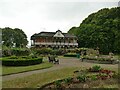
x: 64, y: 62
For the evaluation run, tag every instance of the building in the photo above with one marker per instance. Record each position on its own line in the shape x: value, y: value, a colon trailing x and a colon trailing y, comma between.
x: 54, y: 40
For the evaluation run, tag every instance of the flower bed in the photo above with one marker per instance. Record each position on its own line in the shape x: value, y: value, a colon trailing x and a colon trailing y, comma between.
x: 100, y: 60
x: 81, y: 77
x: 21, y: 61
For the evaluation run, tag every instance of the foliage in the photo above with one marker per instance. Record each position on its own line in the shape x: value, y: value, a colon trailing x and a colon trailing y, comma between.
x: 73, y: 30
x: 20, y: 52
x: 100, y: 29
x: 6, y: 51
x: 68, y: 80
x: 82, y: 78
x: 46, y: 51
x: 58, y: 83
x: 14, y: 37
x: 95, y: 68
x: 20, y: 61
x: 70, y: 55
x: 100, y: 58
x: 94, y: 77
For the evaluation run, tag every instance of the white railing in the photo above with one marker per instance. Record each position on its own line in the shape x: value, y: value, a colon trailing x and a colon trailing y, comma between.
x: 76, y: 44
x: 54, y: 43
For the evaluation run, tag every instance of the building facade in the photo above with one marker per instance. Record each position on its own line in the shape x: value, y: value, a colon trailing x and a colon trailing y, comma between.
x: 54, y: 40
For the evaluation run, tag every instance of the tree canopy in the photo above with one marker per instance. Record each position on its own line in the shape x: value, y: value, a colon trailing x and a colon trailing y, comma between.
x: 100, y: 29
x: 13, y: 37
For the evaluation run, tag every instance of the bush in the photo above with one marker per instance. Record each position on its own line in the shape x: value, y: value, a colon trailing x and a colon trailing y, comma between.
x: 21, y: 61
x: 82, y: 78
x: 20, y: 52
x: 70, y: 55
x: 95, y: 68
x: 68, y: 80
x: 94, y: 77
x: 13, y: 57
x: 46, y: 51
x: 6, y: 52
x: 15, y: 51
x: 58, y: 83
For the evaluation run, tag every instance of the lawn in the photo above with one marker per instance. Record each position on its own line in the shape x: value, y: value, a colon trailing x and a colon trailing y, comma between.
x: 37, y: 80
x: 11, y: 69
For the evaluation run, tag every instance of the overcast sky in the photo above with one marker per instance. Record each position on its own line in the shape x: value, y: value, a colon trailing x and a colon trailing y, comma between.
x: 34, y: 16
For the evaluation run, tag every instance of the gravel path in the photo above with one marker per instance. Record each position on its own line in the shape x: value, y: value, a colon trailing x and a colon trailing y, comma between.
x: 64, y: 62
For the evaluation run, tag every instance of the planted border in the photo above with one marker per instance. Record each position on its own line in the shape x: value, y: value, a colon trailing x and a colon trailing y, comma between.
x: 81, y: 77
x: 100, y: 60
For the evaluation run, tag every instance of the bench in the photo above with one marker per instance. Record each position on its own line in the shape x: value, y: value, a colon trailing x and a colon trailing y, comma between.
x: 52, y: 59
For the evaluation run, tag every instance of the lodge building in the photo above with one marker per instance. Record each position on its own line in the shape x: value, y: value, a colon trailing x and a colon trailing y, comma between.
x: 54, y: 40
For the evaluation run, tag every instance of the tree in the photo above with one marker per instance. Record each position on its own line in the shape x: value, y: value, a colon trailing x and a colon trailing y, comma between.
x: 14, y: 37
x: 100, y: 29
x: 73, y: 30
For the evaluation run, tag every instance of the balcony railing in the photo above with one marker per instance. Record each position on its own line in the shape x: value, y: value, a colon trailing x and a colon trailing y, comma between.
x: 55, y: 43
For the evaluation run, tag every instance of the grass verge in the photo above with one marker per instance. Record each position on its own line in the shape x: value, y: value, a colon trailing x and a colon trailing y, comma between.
x: 37, y: 80
x: 12, y: 70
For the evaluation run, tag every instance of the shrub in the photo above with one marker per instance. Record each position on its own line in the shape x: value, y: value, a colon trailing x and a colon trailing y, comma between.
x: 46, y: 51
x: 58, y: 83
x: 6, y: 52
x: 13, y: 57
x: 68, y: 80
x: 70, y: 55
x: 95, y: 68
x: 94, y: 77
x: 21, y: 61
x: 20, y: 52
x: 82, y: 78
x: 15, y: 51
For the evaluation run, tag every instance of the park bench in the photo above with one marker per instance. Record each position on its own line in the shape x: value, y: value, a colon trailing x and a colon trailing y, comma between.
x: 52, y: 59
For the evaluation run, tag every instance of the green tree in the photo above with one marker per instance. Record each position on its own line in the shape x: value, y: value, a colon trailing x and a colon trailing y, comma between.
x: 11, y: 37
x: 100, y: 29
x: 73, y: 30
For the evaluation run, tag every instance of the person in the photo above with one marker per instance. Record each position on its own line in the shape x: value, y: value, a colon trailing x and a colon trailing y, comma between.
x: 97, y: 52
x: 82, y: 54
x: 111, y: 55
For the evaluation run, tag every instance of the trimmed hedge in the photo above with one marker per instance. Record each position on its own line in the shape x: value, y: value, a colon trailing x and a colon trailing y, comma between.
x: 70, y: 55
x: 21, y: 62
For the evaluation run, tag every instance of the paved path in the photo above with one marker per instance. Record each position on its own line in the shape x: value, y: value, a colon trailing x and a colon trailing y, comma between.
x: 64, y: 62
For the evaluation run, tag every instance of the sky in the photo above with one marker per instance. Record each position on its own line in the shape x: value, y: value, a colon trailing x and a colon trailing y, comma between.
x: 34, y: 16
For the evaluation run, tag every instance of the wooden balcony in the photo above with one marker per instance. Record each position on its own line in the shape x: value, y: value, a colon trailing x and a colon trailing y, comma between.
x: 56, y: 43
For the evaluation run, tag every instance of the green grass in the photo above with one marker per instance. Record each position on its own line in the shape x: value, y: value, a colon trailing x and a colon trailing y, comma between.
x: 37, y: 80
x: 11, y: 70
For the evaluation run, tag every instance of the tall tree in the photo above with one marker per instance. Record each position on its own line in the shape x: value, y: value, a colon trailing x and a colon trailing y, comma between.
x: 100, y: 29
x: 11, y: 37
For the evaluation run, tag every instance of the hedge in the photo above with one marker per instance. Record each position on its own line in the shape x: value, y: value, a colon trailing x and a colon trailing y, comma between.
x: 20, y: 52
x: 46, y: 51
x: 21, y: 62
x: 70, y: 55
x: 15, y: 51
